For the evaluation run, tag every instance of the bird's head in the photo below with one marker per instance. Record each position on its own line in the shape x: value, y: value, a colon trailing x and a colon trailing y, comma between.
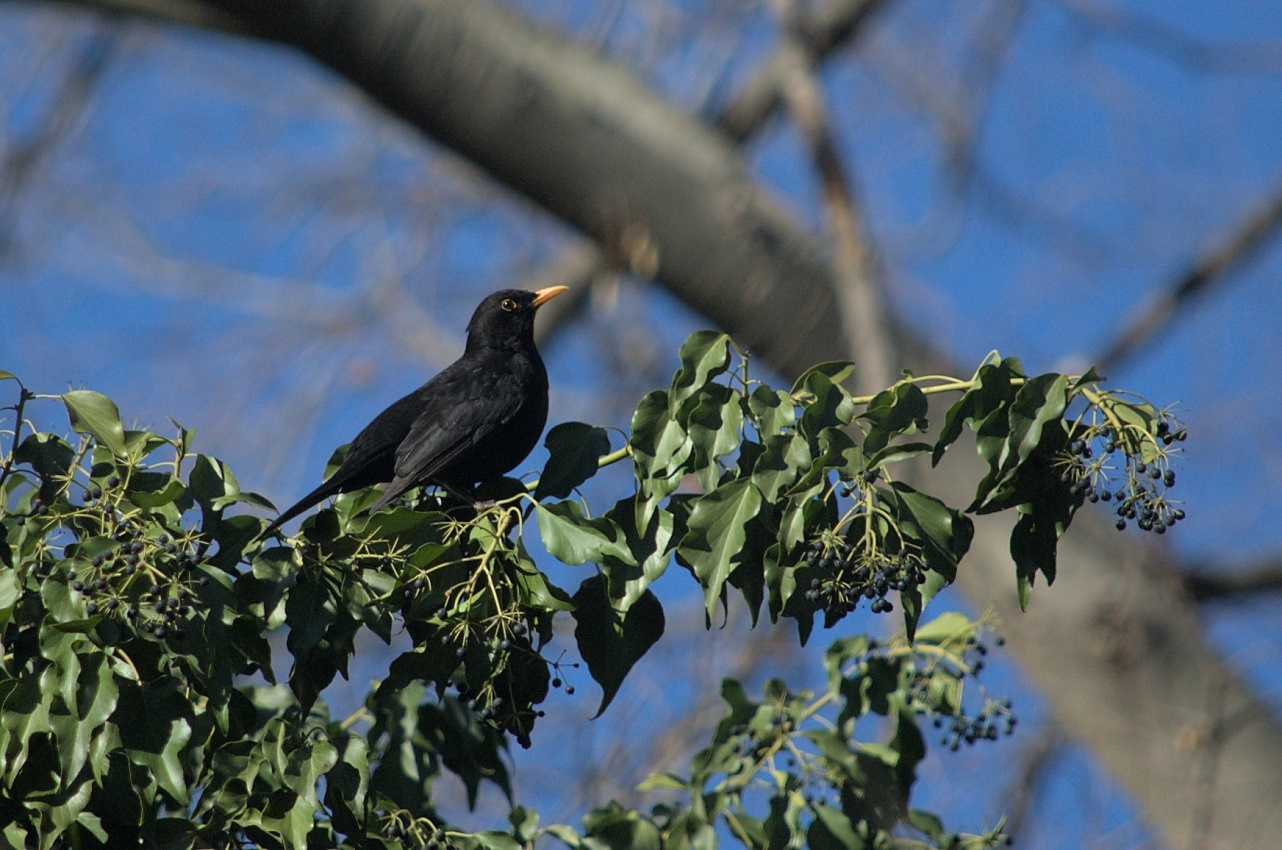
x: 505, y: 319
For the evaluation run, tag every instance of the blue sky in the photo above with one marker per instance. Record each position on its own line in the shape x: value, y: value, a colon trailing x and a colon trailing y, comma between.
x: 217, y: 233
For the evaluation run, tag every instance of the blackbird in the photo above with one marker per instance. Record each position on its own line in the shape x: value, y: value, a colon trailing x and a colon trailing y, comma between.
x: 472, y: 423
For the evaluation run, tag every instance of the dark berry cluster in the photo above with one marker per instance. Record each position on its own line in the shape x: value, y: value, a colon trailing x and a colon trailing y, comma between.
x: 991, y: 721
x: 143, y: 580
x: 1137, y: 488
x: 416, y: 833
x: 842, y: 575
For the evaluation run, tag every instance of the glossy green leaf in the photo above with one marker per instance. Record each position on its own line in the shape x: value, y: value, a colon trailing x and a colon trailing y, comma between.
x: 96, y: 415
x: 611, y: 642
x: 704, y: 355
x: 834, y: 371
x: 771, y: 411
x: 573, y: 451
x: 899, y: 410
x: 992, y: 391
x: 574, y: 539
x: 832, y: 830
x: 714, y: 545
x: 713, y: 428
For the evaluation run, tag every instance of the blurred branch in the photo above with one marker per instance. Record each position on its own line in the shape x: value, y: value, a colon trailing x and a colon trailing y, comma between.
x: 68, y: 104
x: 1229, y: 584
x: 1252, y: 233
x: 192, y: 13
x: 1156, y: 36
x: 817, y: 36
x: 1035, y: 761
x: 861, y: 299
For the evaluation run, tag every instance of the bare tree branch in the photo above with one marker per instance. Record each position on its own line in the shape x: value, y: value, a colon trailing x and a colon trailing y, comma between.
x: 861, y: 299
x: 1162, y: 39
x: 817, y: 36
x: 1227, y: 584
x: 23, y: 159
x: 1035, y: 760
x: 1251, y: 235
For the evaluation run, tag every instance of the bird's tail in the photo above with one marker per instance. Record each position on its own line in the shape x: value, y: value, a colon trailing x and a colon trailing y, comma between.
x: 325, y: 490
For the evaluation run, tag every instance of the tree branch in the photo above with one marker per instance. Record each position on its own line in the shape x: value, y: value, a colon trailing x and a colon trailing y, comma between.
x: 1206, y: 585
x: 1251, y: 235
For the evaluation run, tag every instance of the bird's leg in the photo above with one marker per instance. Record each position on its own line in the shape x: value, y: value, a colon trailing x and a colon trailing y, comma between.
x: 467, y: 498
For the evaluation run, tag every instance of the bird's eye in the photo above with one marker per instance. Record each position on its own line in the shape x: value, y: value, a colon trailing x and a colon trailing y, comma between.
x: 508, y: 305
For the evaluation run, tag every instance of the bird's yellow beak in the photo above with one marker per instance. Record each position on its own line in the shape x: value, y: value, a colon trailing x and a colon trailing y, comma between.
x: 542, y: 296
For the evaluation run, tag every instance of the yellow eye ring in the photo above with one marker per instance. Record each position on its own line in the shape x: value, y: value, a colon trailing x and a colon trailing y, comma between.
x: 508, y: 305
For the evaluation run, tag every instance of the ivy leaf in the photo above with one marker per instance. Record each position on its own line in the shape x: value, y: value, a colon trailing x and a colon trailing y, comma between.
x: 660, y: 447
x: 96, y: 415
x: 899, y: 410
x: 609, y: 641
x: 573, y: 538
x: 942, y: 534
x: 714, y: 545
x: 771, y: 411
x: 835, y: 371
x: 614, y: 826
x: 1043, y: 519
x: 574, y: 449
x: 714, y: 427
x: 991, y: 391
x: 651, y: 552
x: 704, y: 355
x: 832, y: 830
x: 1007, y: 445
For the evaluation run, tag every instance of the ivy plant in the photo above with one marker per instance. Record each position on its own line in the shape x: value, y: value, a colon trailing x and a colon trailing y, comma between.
x: 140, y: 702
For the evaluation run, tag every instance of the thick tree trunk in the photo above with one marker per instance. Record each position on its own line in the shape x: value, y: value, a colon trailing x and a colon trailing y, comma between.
x: 1115, y: 646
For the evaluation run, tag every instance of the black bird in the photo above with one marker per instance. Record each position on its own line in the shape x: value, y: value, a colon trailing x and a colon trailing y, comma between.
x: 472, y: 423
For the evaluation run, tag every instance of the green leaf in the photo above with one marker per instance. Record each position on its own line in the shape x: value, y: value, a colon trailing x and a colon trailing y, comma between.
x: 991, y: 391
x: 704, y: 355
x: 153, y: 497
x: 771, y: 411
x: 96, y: 415
x: 832, y: 830
x: 899, y: 410
x: 660, y: 447
x: 942, y: 535
x: 573, y: 451
x: 651, y: 552
x: 1007, y: 446
x: 574, y: 539
x: 945, y: 628
x: 10, y: 593
x: 785, y: 459
x: 622, y: 828
x: 713, y: 427
x: 714, y: 545
x: 1034, y: 539
x: 835, y: 371
x: 154, y: 730
x: 49, y: 455
x: 830, y: 405
x: 610, y: 642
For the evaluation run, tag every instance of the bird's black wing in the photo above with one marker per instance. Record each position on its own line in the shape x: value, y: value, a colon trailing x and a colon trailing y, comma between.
x: 469, y: 406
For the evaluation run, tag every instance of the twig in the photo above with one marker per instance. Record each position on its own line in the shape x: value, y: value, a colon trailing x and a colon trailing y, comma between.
x: 1226, y: 585
x: 1214, y: 267
x: 1037, y: 759
x: 859, y: 293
